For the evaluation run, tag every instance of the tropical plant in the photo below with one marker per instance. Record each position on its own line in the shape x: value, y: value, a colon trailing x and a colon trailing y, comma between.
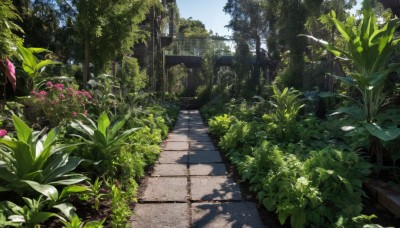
x: 33, y: 66
x: 29, y: 215
x: 36, y: 159
x: 34, y: 211
x: 103, y: 139
x: 369, y: 48
x: 282, y: 120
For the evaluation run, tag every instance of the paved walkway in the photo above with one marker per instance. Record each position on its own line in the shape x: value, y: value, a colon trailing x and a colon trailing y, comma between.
x: 190, y: 187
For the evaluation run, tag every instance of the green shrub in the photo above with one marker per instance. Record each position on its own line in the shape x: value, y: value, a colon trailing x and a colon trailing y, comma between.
x: 338, y: 176
x: 282, y: 121
x: 219, y: 125
x: 316, y: 190
x: 241, y: 137
x: 131, y: 77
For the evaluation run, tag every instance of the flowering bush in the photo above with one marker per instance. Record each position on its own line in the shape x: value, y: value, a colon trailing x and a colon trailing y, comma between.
x: 3, y: 133
x: 59, y: 103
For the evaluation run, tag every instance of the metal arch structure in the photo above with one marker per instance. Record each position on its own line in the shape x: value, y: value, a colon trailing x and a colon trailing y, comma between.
x: 196, y: 61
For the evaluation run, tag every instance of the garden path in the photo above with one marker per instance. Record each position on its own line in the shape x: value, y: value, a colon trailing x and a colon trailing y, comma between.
x: 190, y: 187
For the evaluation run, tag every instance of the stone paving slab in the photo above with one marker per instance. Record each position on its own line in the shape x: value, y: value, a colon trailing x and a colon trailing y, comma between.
x: 170, y: 170
x: 206, y: 156
x: 192, y: 134
x: 181, y: 123
x: 174, y: 157
x: 161, y: 215
x: 214, y: 188
x: 181, y: 130
x: 212, y: 169
x: 166, y: 189
x: 198, y: 131
x: 237, y: 214
x: 200, y: 138
x: 202, y: 146
x: 177, y: 138
x: 177, y: 146
x: 195, y: 126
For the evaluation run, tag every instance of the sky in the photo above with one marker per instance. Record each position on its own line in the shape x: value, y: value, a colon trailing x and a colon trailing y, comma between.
x: 211, y: 13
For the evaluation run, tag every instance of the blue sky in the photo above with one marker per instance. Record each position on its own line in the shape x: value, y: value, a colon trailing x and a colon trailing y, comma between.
x: 210, y: 13
x: 207, y: 11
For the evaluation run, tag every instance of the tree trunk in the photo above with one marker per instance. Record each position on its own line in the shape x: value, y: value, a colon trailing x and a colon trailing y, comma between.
x: 86, y: 61
x: 255, y: 76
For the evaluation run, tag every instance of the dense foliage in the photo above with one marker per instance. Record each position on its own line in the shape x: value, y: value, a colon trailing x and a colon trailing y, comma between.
x: 305, y: 178
x: 65, y: 149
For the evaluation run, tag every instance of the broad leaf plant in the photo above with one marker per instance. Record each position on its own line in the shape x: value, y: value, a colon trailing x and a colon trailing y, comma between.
x: 370, y: 48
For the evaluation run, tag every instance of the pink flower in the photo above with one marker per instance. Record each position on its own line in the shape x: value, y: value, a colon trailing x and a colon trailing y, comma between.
x: 9, y: 72
x: 74, y: 114
x: 59, y: 86
x: 43, y: 93
x: 62, y: 96
x: 3, y: 133
x: 34, y: 92
x: 49, y: 84
x: 87, y: 94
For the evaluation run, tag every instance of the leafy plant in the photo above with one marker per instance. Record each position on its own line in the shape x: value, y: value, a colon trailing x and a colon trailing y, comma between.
x: 95, y: 193
x: 219, y: 125
x: 36, y: 159
x: 282, y: 120
x: 32, y: 66
x: 242, y: 137
x: 369, y: 48
x: 29, y: 215
x: 75, y: 222
x: 104, y: 93
x: 8, y: 15
x: 104, y: 139
x: 338, y: 176
x: 120, y: 207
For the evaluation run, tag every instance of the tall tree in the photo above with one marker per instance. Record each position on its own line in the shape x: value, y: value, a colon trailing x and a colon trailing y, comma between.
x: 248, y: 24
x: 108, y: 29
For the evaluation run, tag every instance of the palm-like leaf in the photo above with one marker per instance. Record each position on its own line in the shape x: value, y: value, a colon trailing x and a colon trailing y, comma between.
x: 103, y: 137
x: 34, y: 159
